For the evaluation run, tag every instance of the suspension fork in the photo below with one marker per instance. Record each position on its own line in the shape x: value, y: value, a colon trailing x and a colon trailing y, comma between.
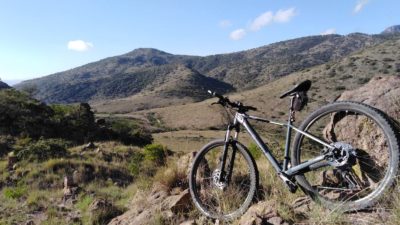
x: 228, y: 141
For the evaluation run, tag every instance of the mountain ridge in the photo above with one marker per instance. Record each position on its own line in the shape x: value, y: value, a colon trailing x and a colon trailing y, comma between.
x: 241, y: 70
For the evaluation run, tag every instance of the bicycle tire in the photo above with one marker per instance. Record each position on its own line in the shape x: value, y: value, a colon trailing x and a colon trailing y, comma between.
x: 374, y: 153
x: 216, y: 203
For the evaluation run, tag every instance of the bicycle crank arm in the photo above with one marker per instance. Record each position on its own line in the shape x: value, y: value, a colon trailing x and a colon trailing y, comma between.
x: 290, y: 184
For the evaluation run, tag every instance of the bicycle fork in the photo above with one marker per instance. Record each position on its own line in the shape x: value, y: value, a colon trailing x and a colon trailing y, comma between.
x: 226, y: 176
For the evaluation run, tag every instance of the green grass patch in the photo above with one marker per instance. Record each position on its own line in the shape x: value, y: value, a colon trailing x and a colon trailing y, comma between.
x: 14, y: 192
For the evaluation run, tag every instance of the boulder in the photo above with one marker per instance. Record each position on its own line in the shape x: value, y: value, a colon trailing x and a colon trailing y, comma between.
x: 261, y: 213
x: 381, y: 92
x: 102, y: 211
x: 178, y: 203
x: 159, y: 202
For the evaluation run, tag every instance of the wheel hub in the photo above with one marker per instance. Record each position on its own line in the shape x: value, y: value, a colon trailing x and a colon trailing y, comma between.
x: 216, y: 175
x: 344, y: 155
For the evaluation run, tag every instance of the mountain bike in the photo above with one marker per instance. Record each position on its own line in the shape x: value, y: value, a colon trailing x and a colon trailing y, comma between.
x: 345, y: 155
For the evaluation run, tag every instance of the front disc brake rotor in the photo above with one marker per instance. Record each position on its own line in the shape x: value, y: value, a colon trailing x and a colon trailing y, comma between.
x: 219, y: 184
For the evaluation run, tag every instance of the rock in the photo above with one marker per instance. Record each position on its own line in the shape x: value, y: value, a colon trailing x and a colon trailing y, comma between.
x: 262, y: 213
x: 69, y: 181
x: 173, y: 204
x: 189, y: 222
x: 90, y: 145
x: 29, y: 222
x: 12, y: 161
x: 381, y: 92
x: 70, y: 191
x: 178, y: 203
x: 301, y: 205
x: 102, y: 211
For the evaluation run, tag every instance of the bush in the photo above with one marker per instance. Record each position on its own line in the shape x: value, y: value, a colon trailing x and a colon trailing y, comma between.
x: 128, y: 132
x: 14, y: 192
x: 41, y: 150
x: 135, y: 164
x: 155, y: 153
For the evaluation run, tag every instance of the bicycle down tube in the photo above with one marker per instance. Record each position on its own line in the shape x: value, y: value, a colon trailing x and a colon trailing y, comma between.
x: 242, y: 119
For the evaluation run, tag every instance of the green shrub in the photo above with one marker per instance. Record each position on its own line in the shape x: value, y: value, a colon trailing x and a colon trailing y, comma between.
x: 84, y: 202
x: 135, y: 163
x: 155, y: 153
x: 129, y: 132
x: 14, y: 192
x: 42, y: 150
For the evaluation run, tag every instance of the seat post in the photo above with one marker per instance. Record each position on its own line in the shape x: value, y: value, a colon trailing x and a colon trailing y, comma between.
x: 291, y: 111
x: 291, y: 119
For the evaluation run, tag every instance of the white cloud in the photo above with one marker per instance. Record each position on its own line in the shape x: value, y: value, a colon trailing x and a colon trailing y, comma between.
x: 283, y: 16
x: 261, y: 21
x: 237, y: 34
x: 329, y: 31
x: 360, y: 5
x: 225, y: 23
x: 79, y: 45
x: 266, y: 18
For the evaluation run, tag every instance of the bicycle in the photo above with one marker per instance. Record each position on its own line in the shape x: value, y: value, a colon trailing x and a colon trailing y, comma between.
x: 344, y: 155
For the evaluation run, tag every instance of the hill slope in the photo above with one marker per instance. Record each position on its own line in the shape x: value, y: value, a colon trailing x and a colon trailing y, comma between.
x: 3, y: 85
x: 242, y: 70
x: 329, y: 81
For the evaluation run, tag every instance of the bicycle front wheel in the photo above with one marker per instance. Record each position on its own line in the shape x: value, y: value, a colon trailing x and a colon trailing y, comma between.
x: 230, y: 197
x: 365, y: 161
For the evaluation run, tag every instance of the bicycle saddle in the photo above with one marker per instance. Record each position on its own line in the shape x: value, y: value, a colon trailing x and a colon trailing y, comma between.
x: 302, y: 87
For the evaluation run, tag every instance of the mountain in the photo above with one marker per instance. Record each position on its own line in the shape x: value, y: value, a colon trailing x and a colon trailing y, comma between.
x: 142, y: 72
x: 392, y: 30
x: 329, y: 80
x: 3, y: 85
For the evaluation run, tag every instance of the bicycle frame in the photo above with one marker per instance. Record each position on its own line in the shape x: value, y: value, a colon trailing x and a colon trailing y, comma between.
x: 282, y: 170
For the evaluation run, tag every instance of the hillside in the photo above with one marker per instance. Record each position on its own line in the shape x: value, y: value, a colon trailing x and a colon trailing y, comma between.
x: 3, y: 85
x: 329, y: 81
x: 139, y: 72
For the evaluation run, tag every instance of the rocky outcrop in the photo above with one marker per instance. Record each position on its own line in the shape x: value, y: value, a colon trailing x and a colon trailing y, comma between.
x: 102, y: 211
x: 159, y: 202
x: 382, y: 92
x: 171, y: 204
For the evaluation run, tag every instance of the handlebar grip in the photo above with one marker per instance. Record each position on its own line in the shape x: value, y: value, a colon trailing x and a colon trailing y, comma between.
x: 215, y: 94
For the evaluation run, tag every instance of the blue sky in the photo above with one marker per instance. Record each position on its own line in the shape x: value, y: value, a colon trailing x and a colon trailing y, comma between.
x: 41, y: 37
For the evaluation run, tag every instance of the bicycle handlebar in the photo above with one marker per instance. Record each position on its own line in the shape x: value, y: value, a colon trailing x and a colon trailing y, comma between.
x: 225, y: 101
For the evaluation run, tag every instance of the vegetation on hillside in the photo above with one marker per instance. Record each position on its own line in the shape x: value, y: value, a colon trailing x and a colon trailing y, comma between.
x: 146, y: 71
x: 41, y: 147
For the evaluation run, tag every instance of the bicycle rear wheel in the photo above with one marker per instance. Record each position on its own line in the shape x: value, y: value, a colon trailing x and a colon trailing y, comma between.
x: 229, y: 198
x: 365, y: 165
